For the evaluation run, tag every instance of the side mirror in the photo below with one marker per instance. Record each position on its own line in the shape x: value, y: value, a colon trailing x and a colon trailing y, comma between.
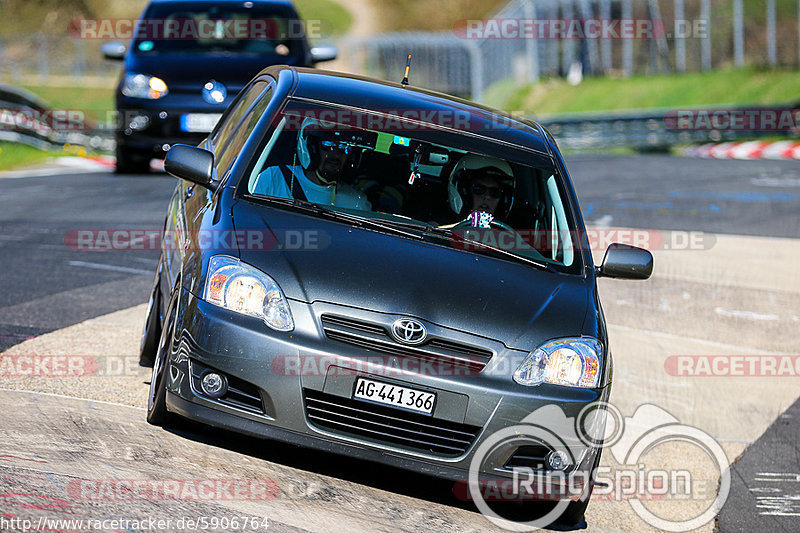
x: 114, y: 51
x: 626, y: 262
x: 191, y: 164
x: 323, y: 53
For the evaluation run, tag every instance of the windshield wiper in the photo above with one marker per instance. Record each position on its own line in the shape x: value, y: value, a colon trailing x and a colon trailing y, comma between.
x: 427, y: 229
x: 332, y: 214
x: 405, y: 229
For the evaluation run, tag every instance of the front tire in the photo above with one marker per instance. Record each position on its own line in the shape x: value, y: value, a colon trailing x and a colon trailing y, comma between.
x: 130, y: 162
x: 157, y: 413
x: 151, y: 335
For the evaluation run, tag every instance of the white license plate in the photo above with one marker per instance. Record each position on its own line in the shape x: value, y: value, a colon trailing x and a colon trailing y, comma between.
x: 199, y: 122
x: 403, y: 397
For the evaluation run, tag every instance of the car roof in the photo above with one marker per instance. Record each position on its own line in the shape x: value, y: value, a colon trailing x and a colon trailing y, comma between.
x: 372, y: 94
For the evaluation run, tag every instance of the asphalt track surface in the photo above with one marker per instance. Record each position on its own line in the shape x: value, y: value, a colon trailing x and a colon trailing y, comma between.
x: 47, y: 286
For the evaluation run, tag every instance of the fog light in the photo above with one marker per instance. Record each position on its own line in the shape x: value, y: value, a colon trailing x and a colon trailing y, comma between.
x: 139, y: 122
x: 557, y: 460
x: 214, y: 385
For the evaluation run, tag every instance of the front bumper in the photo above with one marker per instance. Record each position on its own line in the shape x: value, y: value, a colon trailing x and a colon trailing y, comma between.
x: 256, y: 358
x: 163, y: 121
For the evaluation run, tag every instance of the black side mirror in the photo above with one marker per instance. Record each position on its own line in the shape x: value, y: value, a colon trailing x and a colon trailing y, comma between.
x: 626, y: 262
x: 192, y: 164
x: 114, y: 51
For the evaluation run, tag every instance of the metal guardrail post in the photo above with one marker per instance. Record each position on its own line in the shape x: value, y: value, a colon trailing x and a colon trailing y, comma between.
x: 605, y: 44
x: 772, y: 57
x: 705, y: 14
x: 567, y: 45
x: 591, y: 44
x: 475, y: 70
x: 738, y: 33
x: 41, y: 52
x: 531, y: 45
x: 680, y: 38
x: 627, y: 44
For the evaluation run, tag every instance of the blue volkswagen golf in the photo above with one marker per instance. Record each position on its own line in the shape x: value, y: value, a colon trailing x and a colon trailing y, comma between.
x: 385, y: 272
x: 187, y: 62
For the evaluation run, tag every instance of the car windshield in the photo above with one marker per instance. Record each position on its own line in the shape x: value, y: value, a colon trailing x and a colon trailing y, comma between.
x: 202, y: 28
x: 475, y: 200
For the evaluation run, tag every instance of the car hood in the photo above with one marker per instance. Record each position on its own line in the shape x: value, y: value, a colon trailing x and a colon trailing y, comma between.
x: 515, y: 303
x: 191, y: 71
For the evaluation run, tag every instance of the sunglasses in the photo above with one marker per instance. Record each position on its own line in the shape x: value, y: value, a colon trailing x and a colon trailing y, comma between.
x: 481, y: 190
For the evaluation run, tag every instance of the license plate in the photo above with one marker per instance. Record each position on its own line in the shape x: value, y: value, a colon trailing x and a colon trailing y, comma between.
x: 199, y: 122
x: 394, y: 395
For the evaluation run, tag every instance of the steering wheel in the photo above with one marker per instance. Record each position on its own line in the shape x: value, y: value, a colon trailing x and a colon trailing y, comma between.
x: 494, y: 224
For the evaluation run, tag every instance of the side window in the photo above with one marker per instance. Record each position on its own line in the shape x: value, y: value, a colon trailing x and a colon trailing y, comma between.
x: 230, y: 136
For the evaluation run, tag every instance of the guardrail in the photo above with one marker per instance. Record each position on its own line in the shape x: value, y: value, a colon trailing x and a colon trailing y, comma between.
x: 645, y: 130
x: 662, y: 128
x: 27, y: 119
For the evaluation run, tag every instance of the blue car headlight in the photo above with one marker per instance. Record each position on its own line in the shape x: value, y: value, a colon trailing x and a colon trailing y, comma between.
x: 574, y: 362
x: 241, y: 288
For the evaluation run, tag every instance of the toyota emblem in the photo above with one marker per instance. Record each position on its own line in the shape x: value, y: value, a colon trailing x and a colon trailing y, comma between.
x: 409, y: 331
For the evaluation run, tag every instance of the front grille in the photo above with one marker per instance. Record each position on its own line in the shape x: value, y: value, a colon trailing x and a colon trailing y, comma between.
x: 240, y: 394
x: 376, y: 337
x: 387, y: 425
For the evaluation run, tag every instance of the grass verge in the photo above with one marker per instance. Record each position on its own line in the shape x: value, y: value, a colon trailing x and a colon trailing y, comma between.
x: 333, y: 17
x: 16, y: 155
x: 723, y: 87
x: 96, y: 102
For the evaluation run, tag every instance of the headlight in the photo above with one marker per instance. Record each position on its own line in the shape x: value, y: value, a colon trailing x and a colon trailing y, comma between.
x: 144, y: 86
x: 243, y: 289
x: 570, y: 362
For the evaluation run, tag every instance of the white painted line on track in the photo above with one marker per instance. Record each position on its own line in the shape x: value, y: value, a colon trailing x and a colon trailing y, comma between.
x: 663, y: 335
x: 88, y: 400
x: 114, y: 268
x: 736, y: 313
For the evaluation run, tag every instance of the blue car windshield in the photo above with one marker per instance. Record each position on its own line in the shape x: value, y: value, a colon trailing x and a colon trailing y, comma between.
x: 378, y: 174
x: 214, y: 27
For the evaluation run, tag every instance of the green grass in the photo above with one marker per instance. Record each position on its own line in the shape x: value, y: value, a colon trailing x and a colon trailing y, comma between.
x: 334, y: 18
x: 97, y: 103
x: 724, y: 87
x: 17, y: 155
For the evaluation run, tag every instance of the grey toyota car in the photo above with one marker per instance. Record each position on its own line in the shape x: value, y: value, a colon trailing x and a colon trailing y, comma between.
x: 385, y: 272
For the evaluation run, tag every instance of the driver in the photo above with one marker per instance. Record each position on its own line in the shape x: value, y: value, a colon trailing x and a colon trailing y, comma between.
x: 323, y: 161
x: 481, y: 188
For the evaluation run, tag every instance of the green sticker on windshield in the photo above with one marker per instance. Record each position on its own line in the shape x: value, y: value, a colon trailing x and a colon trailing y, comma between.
x: 145, y: 46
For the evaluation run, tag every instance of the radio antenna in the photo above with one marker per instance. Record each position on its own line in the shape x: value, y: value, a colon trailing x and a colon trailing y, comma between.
x: 408, y: 69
